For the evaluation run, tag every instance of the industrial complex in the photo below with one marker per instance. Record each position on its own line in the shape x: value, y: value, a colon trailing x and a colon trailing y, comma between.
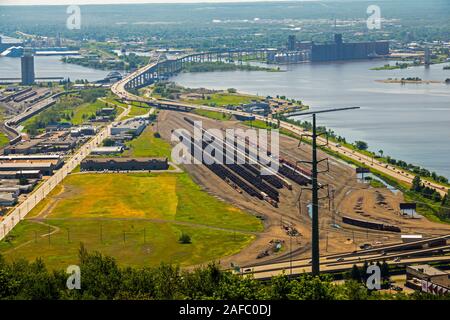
x: 309, y: 51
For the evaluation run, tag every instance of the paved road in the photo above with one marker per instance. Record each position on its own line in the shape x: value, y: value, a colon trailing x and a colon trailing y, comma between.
x: 343, y: 267
x: 344, y: 261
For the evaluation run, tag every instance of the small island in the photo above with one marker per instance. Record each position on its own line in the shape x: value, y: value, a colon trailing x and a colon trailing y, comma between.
x: 397, y: 65
x: 415, y: 80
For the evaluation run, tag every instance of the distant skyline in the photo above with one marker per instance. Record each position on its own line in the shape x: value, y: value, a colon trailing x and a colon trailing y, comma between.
x: 84, y: 2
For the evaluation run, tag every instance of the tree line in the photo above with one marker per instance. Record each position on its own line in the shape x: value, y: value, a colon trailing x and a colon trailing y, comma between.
x: 102, y: 278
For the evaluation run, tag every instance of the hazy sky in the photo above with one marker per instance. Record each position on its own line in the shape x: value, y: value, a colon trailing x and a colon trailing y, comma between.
x: 68, y: 2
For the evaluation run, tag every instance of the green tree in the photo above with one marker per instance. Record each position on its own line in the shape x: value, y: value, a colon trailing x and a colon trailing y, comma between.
x: 385, y: 271
x: 355, y: 273
x: 361, y: 145
x: 416, y: 184
x: 184, y: 238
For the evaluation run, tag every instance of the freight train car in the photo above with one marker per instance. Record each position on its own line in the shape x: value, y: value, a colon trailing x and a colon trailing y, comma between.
x: 370, y: 225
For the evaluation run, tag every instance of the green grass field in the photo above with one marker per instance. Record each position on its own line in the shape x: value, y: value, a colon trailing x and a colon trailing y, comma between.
x: 259, y: 124
x: 75, y: 114
x: 213, y: 114
x: 136, y: 218
x: 223, y: 99
x: 137, y: 111
x: 85, y: 110
x: 147, y: 145
x: 3, y: 140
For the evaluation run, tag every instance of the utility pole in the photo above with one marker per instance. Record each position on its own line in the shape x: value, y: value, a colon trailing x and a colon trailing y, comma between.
x: 315, y: 188
x: 315, y: 204
x: 333, y: 209
x: 290, y: 256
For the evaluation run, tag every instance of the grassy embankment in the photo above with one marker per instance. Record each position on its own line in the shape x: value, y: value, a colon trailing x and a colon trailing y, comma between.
x: 68, y: 109
x: 224, y: 99
x: 4, y: 141
x: 147, y: 145
x: 221, y: 100
x: 136, y: 108
x: 213, y: 114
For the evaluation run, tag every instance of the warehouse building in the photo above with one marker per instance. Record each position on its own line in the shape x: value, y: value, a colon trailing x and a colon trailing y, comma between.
x: 427, y: 278
x: 59, y: 141
x: 83, y: 131
x: 45, y: 168
x: 107, y: 150
x: 28, y: 174
x: 348, y: 51
x: 133, y: 126
x: 7, y: 199
x: 42, y: 164
x: 124, y: 164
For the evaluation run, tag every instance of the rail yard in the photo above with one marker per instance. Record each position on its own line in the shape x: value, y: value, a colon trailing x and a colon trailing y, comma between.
x: 355, y: 216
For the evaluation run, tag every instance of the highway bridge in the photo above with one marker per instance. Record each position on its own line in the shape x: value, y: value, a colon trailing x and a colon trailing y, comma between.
x: 164, y: 68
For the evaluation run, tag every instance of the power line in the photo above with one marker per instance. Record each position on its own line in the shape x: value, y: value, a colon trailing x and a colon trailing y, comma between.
x: 315, y: 188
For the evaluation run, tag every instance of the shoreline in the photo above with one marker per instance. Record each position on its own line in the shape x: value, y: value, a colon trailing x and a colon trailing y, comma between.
x: 410, y: 81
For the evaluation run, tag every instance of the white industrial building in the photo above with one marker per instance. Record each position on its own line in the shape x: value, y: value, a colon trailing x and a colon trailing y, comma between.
x: 133, y: 126
x: 107, y: 150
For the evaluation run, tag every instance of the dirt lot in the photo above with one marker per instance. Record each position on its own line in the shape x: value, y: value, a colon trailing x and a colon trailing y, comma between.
x: 293, y: 211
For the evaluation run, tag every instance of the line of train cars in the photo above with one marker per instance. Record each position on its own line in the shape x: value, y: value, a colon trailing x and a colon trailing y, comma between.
x: 370, y: 225
x: 246, y: 176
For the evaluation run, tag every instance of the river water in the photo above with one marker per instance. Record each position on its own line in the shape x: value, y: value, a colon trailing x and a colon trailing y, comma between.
x: 50, y: 66
x: 409, y: 122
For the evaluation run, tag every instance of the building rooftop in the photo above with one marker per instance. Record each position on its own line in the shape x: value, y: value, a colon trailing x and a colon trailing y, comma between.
x: 19, y: 172
x: 7, y: 196
x: 111, y: 149
x: 124, y: 159
x: 30, y: 157
x: 411, y: 236
x: 14, y: 165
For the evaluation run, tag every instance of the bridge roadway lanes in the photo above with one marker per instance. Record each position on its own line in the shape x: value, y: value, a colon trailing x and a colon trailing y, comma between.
x: 357, y: 257
x: 296, y: 270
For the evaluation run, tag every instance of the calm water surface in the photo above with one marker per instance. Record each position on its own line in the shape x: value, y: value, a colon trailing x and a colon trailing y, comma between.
x: 50, y: 66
